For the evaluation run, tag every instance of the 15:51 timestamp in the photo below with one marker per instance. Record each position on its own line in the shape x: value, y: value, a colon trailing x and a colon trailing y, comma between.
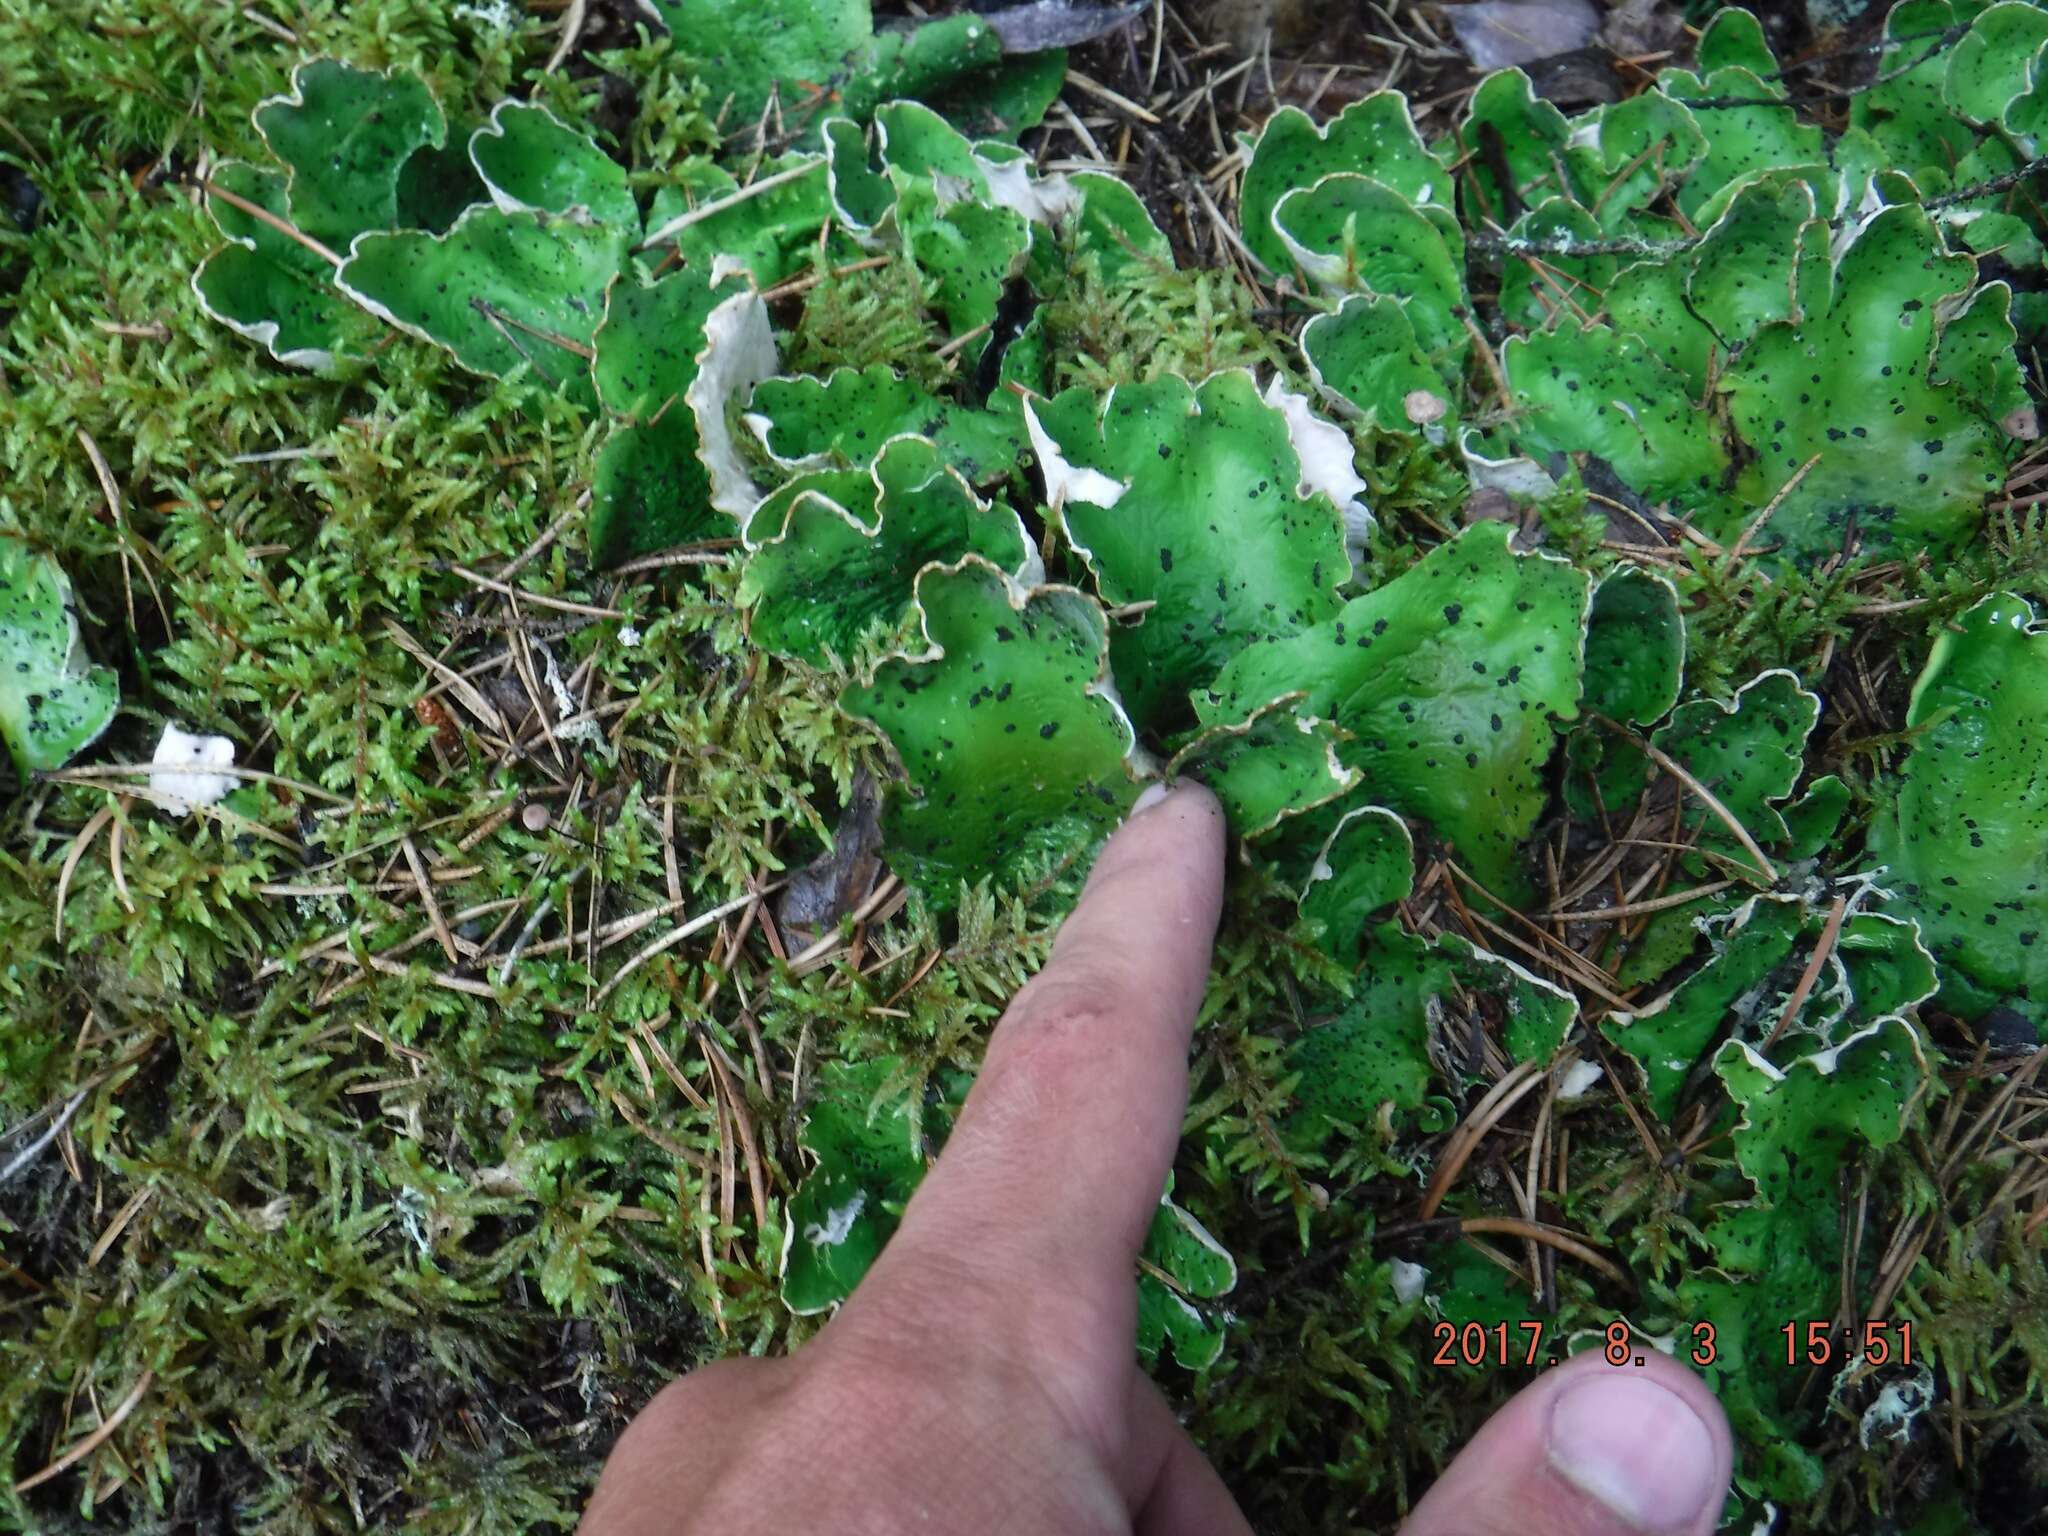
x: 1812, y: 1343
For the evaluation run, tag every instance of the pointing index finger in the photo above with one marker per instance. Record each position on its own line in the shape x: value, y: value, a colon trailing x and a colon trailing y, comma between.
x: 1061, y: 1152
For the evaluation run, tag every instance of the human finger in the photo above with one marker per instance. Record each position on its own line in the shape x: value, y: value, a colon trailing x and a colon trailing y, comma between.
x: 1177, y: 1492
x: 1056, y: 1165
x: 677, y: 1445
x: 1590, y: 1449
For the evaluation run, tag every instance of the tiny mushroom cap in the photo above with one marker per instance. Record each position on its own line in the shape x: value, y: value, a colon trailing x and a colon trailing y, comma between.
x: 1422, y: 407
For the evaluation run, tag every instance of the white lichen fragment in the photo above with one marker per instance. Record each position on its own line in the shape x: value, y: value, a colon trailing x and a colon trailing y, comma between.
x: 1578, y: 1079
x: 1409, y: 1279
x: 1014, y: 184
x: 1066, y: 482
x: 1515, y: 476
x: 739, y: 352
x: 181, y: 776
x: 1328, y: 462
x: 838, y: 1223
x: 494, y: 16
x: 1897, y: 1406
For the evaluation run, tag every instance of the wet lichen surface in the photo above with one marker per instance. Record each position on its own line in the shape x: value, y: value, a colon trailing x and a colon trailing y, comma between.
x: 693, y: 540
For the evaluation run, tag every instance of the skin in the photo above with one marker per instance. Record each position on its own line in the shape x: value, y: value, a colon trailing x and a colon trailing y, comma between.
x: 981, y: 1379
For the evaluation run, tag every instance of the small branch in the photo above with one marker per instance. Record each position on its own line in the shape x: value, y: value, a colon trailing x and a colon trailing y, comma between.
x: 1510, y: 245
x: 666, y: 1143
x: 1828, y: 935
x: 79, y: 845
x: 1991, y: 188
x: 953, y: 346
x: 34, y: 1149
x: 526, y: 933
x: 442, y: 933
x: 1706, y: 796
x: 387, y: 967
x: 828, y: 942
x: 1936, y: 41
x: 512, y: 340
x: 1501, y: 1098
x: 463, y: 689
x: 717, y: 205
x: 676, y: 936
x: 227, y: 770
x: 810, y: 280
x: 538, y: 599
x: 1639, y: 908
x: 1103, y: 93
x: 1541, y: 1232
x: 497, y: 316
x: 263, y: 215
x: 117, y: 510
x: 91, y: 1442
x: 1489, y: 358
x: 1756, y: 523
x: 572, y: 29
x: 1558, y: 955
x: 1718, y: 103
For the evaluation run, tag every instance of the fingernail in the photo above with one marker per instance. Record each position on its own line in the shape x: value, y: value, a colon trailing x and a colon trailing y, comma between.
x: 1153, y: 794
x: 1637, y: 1448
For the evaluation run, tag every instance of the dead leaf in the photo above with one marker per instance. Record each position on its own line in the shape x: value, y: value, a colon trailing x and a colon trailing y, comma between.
x: 1496, y: 34
x: 1635, y: 28
x: 839, y: 879
x: 1058, y: 23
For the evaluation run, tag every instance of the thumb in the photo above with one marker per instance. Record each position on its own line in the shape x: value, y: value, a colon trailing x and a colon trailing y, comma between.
x: 1591, y: 1449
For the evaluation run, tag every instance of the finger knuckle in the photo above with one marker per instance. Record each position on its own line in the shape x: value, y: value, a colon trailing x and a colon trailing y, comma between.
x: 1064, y: 1009
x: 1056, y: 1041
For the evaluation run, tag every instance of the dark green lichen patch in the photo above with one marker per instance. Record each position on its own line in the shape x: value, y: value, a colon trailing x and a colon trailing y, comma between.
x: 502, y: 291
x: 812, y: 56
x: 530, y: 159
x: 1748, y: 753
x: 54, y: 702
x: 1593, y: 389
x: 1449, y: 682
x: 1180, y: 1267
x: 649, y: 488
x: 1193, y: 504
x: 834, y: 553
x: 1012, y: 749
x: 1856, y: 392
x: 1276, y: 765
x: 848, y: 415
x: 1779, y: 1254
x: 1374, y: 136
x: 1372, y: 1067
x: 864, y: 1143
x: 345, y: 138
x: 1964, y: 842
x: 1872, y: 966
